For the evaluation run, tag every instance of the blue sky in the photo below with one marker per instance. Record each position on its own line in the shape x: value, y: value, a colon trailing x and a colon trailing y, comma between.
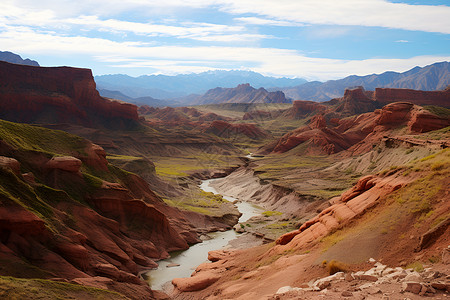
x: 312, y: 39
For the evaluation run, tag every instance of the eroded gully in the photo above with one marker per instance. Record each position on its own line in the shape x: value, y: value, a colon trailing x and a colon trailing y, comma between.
x: 183, y: 263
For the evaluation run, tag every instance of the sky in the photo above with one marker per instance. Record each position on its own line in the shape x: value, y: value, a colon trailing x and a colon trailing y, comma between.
x: 311, y: 39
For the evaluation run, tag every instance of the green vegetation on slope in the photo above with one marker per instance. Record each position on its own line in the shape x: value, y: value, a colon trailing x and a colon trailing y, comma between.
x: 15, y: 288
x: 29, y: 137
x: 437, y: 110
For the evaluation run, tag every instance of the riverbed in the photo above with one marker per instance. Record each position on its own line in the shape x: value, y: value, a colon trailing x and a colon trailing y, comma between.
x: 183, y: 263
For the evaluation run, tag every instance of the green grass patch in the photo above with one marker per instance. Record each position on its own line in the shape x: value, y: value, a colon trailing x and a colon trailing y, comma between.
x: 270, y: 213
x: 416, y: 266
x: 17, y: 288
x: 35, y: 138
x: 439, y: 111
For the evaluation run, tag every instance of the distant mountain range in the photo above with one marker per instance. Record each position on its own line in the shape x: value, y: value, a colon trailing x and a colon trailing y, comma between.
x: 243, y: 93
x: 429, y: 78
x: 164, y: 87
x: 220, y: 86
x: 16, y: 59
x: 138, y: 101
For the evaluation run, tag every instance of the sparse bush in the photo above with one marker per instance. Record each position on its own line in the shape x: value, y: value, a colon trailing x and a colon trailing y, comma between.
x: 437, y: 166
x: 434, y: 259
x: 270, y: 213
x: 410, y: 150
x: 416, y: 266
x: 335, y: 266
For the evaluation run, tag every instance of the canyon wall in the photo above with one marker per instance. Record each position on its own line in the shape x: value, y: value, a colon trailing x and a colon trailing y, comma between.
x: 32, y: 94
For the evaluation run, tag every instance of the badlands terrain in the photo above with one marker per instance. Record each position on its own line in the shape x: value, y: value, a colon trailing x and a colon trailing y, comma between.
x: 354, y: 192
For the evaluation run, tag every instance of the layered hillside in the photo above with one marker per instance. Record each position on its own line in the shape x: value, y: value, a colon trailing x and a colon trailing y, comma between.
x: 58, y: 95
x: 360, y: 132
x: 66, y: 213
x: 243, y: 93
x: 394, y: 224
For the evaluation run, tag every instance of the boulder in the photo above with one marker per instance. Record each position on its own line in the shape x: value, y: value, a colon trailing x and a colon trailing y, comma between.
x: 29, y: 178
x: 218, y: 255
x: 287, y: 237
x: 10, y: 163
x: 108, y: 270
x: 412, y: 287
x: 65, y: 163
x: 198, y: 282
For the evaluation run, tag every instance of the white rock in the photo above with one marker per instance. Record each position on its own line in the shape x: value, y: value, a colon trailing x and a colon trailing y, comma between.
x: 366, y: 286
x: 284, y: 289
x: 397, y: 275
x: 388, y: 271
x: 413, y: 277
x: 371, y: 260
x: 379, y: 265
x: 358, y: 274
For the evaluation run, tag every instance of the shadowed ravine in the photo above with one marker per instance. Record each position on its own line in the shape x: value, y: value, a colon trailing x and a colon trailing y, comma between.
x: 183, y: 263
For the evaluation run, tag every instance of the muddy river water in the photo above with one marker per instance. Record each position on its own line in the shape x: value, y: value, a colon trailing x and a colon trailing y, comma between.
x: 183, y: 263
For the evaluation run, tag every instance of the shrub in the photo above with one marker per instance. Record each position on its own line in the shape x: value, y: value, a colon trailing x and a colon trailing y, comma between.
x: 335, y: 266
x: 270, y: 213
x: 416, y: 266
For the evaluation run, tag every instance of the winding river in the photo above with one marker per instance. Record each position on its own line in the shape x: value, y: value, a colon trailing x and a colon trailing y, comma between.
x: 183, y: 263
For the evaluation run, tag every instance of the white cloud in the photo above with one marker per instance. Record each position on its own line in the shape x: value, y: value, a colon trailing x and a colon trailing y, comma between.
x: 188, y: 30
x: 402, y: 41
x: 380, y: 13
x: 348, y: 12
x: 182, y: 59
x: 268, y: 22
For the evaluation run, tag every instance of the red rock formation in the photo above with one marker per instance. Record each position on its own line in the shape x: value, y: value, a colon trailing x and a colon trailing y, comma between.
x: 352, y: 203
x: 58, y: 95
x: 10, y: 163
x: 301, y: 109
x: 65, y: 163
x: 317, y: 122
x: 355, y: 101
x: 227, y: 130
x: 358, y: 133
x: 388, y: 95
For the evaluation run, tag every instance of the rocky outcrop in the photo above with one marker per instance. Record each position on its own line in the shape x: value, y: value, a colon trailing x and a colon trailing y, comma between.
x: 300, y: 109
x: 371, y: 284
x: 351, y: 203
x: 10, y: 163
x: 359, y: 133
x: 356, y: 101
x: 65, y: 163
x: 389, y: 95
x: 195, y: 283
x: 31, y: 94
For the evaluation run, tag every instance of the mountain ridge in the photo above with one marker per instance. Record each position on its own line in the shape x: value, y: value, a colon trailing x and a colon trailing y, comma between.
x: 17, y: 59
x: 428, y: 78
x: 164, y: 86
x: 243, y: 93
